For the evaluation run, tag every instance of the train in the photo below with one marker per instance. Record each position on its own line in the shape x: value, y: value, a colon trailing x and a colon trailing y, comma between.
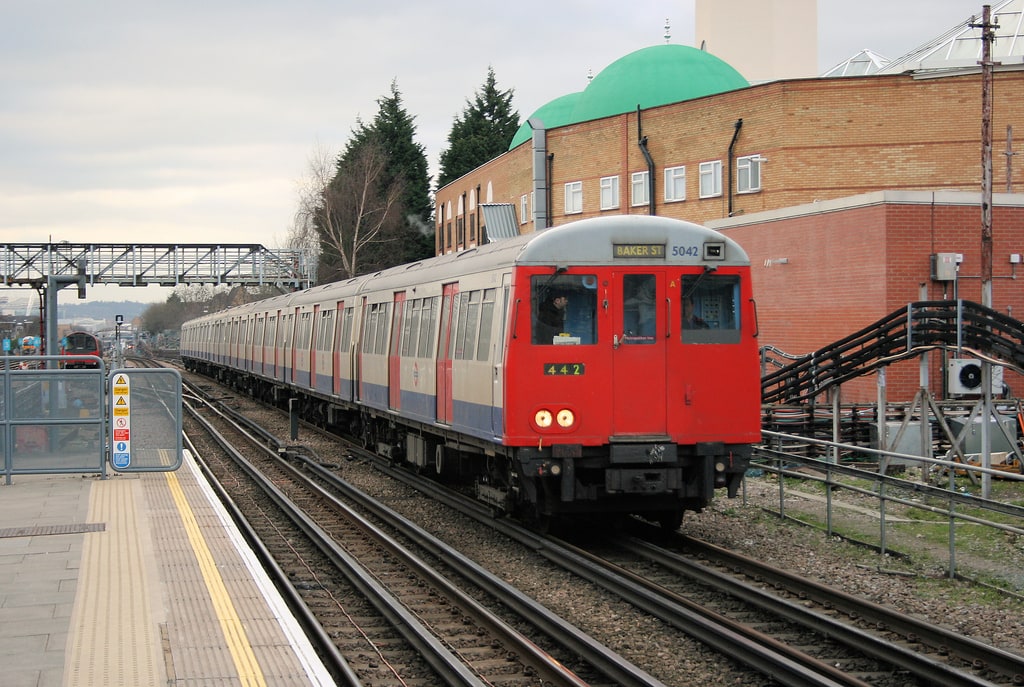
x: 80, y: 344
x: 643, y: 399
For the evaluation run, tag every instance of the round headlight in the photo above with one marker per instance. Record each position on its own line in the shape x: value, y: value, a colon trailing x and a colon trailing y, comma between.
x: 543, y: 418
x: 566, y: 418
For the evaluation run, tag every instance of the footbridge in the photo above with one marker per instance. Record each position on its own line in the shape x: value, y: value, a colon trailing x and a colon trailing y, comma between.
x: 160, y: 264
x: 906, y: 333
x: 50, y: 267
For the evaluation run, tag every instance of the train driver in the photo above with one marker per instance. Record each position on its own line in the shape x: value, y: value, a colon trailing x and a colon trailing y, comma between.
x: 551, y: 318
x: 690, y: 318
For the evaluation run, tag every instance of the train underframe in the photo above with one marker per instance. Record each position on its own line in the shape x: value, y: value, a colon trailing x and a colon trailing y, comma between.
x: 657, y: 480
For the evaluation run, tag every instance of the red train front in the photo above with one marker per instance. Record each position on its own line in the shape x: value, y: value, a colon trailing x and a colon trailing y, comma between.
x: 645, y: 396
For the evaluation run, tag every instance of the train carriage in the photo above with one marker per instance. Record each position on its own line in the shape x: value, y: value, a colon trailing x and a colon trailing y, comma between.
x: 643, y: 396
x: 80, y: 344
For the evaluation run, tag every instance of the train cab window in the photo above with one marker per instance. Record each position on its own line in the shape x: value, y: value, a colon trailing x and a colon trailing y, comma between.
x: 564, y: 309
x: 638, y: 310
x: 710, y: 308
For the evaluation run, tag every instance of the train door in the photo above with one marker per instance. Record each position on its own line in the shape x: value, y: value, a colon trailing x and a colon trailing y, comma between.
x: 342, y: 351
x: 395, y: 355
x: 497, y: 382
x: 642, y: 330
x: 311, y: 347
x: 444, y: 361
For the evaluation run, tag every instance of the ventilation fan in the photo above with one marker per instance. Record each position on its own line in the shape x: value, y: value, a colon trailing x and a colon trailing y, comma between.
x: 964, y: 377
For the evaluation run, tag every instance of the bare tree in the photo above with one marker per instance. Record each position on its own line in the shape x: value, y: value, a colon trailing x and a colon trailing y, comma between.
x: 360, y: 206
x: 304, y: 234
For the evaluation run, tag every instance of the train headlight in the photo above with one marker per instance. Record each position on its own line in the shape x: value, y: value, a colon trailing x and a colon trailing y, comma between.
x: 543, y: 418
x: 565, y: 418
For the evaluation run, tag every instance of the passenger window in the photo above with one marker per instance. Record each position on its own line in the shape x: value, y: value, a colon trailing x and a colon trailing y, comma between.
x: 710, y: 308
x: 564, y: 309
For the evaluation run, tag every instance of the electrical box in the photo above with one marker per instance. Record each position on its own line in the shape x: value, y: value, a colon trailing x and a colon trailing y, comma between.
x: 909, y: 443
x: 944, y: 266
x: 964, y: 377
x: 970, y: 442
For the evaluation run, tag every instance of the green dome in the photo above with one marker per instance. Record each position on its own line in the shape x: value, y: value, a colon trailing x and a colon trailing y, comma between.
x: 558, y: 112
x: 658, y: 75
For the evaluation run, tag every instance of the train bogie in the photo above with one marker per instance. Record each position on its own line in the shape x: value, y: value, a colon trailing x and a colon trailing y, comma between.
x: 605, y: 366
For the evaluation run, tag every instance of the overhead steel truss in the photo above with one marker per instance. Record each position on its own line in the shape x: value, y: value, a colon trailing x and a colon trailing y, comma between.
x: 161, y: 264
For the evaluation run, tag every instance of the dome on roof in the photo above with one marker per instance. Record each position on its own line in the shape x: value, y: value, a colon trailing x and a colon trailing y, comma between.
x: 649, y: 77
x: 558, y: 112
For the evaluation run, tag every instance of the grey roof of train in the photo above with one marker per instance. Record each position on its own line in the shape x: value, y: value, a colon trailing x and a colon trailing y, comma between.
x: 570, y: 243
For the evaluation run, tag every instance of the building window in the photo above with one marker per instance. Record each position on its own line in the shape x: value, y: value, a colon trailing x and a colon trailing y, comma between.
x: 640, y: 189
x: 574, y: 198
x: 524, y: 208
x: 711, y: 179
x: 748, y: 174
x: 609, y: 193
x: 675, y: 184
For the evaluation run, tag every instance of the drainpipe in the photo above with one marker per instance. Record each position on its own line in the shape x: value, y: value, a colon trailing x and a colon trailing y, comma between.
x: 540, y: 181
x: 732, y: 144
x: 642, y: 142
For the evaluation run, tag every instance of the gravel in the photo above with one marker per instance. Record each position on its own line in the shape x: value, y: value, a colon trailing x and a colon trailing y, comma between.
x: 917, y: 585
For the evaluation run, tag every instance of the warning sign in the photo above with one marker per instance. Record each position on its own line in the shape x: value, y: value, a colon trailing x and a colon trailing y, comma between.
x: 152, y: 398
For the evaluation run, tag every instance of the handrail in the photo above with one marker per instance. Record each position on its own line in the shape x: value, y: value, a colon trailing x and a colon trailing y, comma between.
x: 905, y: 333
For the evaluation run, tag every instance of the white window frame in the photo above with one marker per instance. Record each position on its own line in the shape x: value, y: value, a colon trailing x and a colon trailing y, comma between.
x: 748, y: 174
x: 711, y: 179
x: 640, y: 189
x: 574, y: 197
x: 675, y: 184
x: 609, y: 193
x: 524, y: 209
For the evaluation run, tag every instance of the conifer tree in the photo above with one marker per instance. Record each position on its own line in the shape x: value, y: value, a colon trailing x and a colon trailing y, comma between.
x: 481, y: 133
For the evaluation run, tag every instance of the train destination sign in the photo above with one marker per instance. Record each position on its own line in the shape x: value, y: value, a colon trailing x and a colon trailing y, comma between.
x: 638, y: 250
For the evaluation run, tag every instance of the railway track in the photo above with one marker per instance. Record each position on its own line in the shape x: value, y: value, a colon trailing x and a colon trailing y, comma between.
x: 799, y: 644
x: 393, y: 615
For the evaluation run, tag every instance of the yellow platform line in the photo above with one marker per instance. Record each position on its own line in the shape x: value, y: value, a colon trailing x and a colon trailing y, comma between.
x: 249, y: 671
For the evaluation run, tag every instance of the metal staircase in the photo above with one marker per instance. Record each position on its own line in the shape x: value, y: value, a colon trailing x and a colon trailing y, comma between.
x: 906, y: 333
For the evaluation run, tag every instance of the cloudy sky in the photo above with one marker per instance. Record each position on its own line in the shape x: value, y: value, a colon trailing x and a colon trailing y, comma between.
x: 194, y: 121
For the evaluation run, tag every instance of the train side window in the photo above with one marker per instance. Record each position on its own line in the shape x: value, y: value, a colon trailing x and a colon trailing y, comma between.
x: 564, y: 309
x: 710, y: 308
x: 486, y: 323
x: 428, y: 327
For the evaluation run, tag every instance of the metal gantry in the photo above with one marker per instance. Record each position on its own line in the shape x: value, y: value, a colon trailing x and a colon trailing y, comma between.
x: 161, y: 264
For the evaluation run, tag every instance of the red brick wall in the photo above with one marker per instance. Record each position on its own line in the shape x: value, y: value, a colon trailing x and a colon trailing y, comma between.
x: 824, y: 139
x: 848, y: 269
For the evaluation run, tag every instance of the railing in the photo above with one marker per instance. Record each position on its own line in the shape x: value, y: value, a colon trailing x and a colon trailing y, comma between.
x: 908, y: 332
x: 53, y: 420
x: 886, y: 489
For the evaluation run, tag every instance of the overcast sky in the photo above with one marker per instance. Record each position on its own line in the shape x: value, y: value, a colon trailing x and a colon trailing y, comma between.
x: 193, y: 122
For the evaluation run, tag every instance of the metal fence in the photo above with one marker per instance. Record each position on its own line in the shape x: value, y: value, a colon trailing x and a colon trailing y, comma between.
x: 936, y: 491
x: 53, y: 419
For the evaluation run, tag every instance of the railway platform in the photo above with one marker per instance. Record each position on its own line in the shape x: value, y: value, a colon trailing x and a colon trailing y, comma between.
x: 137, y: 579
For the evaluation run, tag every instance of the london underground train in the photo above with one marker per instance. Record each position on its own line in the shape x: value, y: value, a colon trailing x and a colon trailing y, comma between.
x: 606, y: 366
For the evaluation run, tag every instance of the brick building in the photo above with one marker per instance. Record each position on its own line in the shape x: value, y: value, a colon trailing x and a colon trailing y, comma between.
x: 843, y: 187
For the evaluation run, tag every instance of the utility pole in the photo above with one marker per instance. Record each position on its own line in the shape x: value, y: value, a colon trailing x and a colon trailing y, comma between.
x: 987, y: 38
